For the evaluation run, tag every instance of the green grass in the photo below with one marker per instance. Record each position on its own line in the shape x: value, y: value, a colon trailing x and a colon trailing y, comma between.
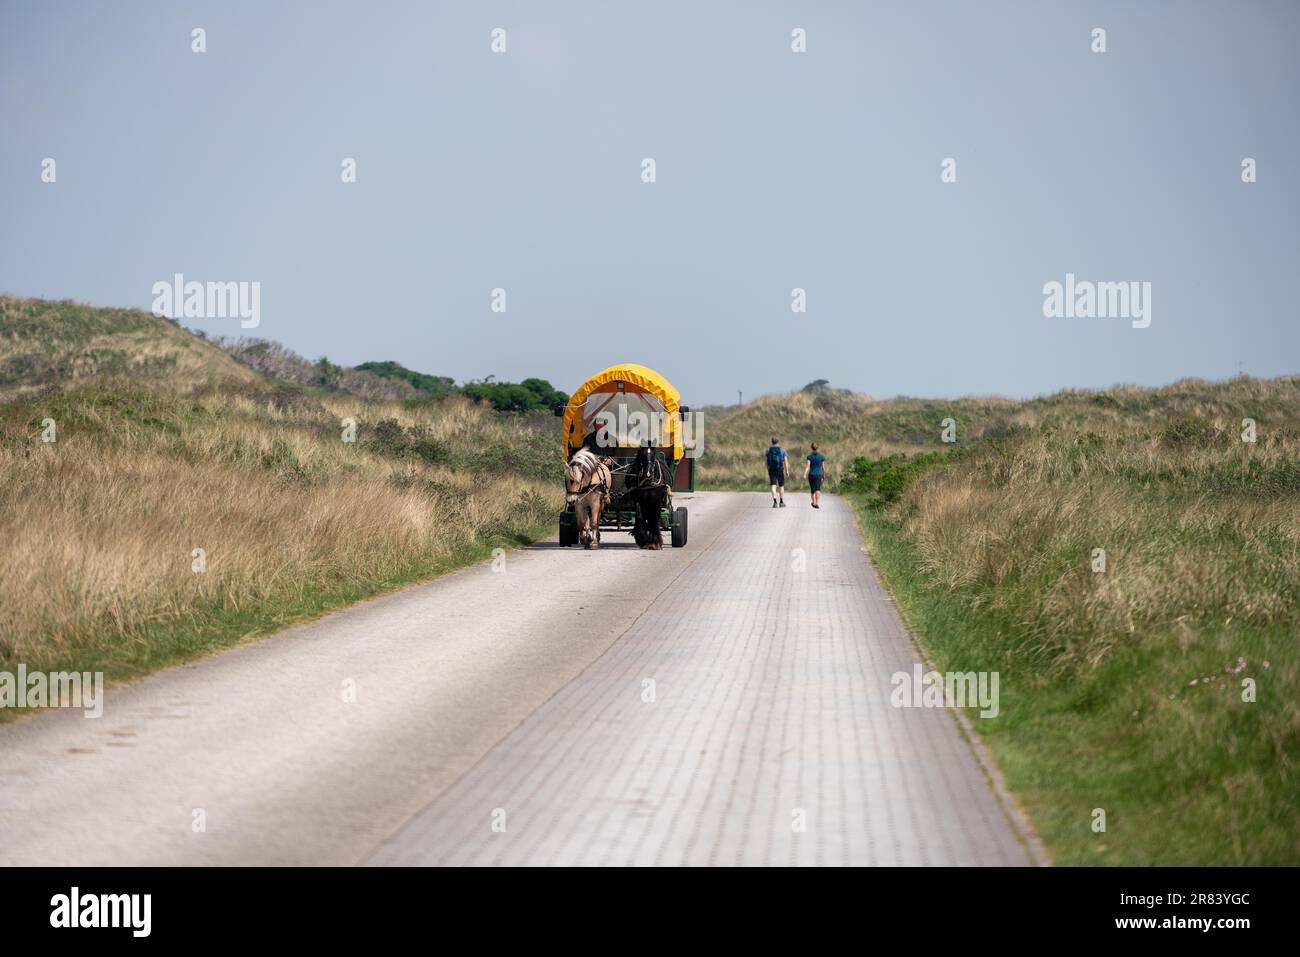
x: 1187, y: 774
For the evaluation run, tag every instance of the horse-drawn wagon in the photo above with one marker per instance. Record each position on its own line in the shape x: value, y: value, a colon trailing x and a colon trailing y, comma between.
x: 629, y: 419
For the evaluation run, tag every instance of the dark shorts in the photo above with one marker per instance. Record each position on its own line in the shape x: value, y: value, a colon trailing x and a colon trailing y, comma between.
x: 776, y: 478
x: 815, y: 483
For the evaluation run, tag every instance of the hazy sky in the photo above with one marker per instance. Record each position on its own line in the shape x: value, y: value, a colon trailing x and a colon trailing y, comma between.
x: 775, y: 170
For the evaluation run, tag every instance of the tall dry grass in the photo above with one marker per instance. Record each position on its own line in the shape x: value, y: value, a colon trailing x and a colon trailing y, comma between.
x: 1197, y: 540
x: 1162, y: 687
x: 100, y: 526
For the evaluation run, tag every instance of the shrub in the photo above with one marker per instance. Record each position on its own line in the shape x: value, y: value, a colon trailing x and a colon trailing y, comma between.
x: 389, y: 437
x: 885, y: 480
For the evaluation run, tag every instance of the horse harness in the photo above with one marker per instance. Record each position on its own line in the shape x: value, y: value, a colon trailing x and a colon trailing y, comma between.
x: 657, y: 467
x: 600, y: 486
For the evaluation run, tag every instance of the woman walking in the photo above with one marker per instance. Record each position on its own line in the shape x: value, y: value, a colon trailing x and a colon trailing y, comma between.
x: 814, y: 470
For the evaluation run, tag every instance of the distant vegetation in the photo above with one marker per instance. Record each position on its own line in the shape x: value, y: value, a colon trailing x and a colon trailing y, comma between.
x: 434, y: 386
x: 389, y: 380
x: 531, y: 395
x: 282, y: 364
x: 1121, y: 684
x: 52, y: 345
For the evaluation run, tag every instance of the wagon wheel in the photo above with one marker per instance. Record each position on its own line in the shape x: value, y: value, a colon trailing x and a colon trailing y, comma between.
x: 568, y: 533
x: 679, y: 527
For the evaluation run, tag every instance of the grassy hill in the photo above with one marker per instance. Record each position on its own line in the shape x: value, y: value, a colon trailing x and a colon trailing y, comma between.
x: 848, y: 425
x: 57, y: 345
x: 159, y: 499
x: 282, y: 365
x: 1161, y: 687
x: 47, y: 345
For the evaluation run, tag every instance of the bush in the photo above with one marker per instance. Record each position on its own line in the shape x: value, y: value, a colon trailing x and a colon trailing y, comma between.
x: 389, y: 437
x: 527, y: 396
x: 1189, y: 432
x: 885, y: 480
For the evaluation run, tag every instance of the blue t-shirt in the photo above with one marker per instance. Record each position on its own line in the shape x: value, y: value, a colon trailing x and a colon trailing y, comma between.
x: 815, y: 460
x: 775, y: 458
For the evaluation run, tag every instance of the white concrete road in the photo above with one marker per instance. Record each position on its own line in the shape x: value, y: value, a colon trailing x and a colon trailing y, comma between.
x: 716, y: 704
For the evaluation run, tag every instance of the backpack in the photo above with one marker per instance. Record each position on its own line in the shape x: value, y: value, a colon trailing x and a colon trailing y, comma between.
x: 774, y: 458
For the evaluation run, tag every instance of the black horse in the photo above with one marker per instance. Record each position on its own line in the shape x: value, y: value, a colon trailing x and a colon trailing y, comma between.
x: 647, y: 486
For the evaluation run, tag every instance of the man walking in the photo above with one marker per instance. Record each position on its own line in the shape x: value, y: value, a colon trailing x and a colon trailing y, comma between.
x: 814, y: 471
x: 778, y: 467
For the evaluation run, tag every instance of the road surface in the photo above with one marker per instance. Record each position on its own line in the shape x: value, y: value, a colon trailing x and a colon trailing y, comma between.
x: 726, y: 703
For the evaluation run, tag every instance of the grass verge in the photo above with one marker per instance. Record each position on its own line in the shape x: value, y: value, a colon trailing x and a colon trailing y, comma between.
x: 1186, y: 772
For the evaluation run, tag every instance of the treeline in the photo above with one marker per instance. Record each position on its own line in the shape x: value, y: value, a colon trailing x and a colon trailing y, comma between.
x: 388, y: 380
x: 528, y: 396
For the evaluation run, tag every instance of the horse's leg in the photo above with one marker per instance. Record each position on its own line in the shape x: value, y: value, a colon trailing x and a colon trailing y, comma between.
x: 660, y: 501
x: 642, y: 532
x: 584, y: 528
x: 647, y: 530
x: 652, y: 524
x: 636, y: 520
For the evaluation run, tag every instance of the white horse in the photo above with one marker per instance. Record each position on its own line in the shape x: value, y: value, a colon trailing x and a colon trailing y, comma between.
x: 586, y: 486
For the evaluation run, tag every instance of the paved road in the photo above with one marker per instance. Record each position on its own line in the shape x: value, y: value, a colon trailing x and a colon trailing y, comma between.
x: 726, y: 703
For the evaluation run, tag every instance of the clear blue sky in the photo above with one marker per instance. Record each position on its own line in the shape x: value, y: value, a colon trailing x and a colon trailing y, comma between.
x: 775, y: 170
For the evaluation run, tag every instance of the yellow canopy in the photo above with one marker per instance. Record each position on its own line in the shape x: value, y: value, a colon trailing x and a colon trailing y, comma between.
x: 620, y: 392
